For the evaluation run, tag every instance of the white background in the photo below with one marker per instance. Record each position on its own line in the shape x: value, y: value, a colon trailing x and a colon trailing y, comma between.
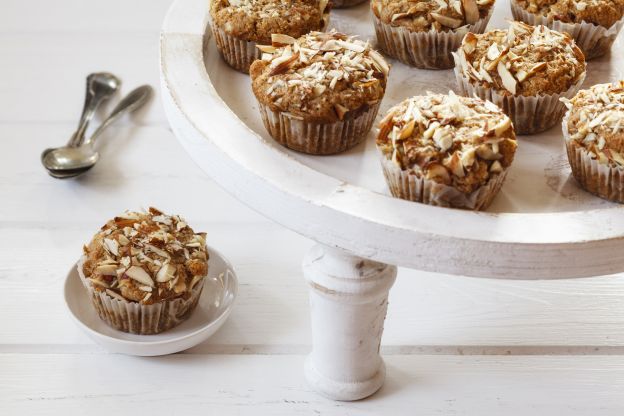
x: 452, y: 345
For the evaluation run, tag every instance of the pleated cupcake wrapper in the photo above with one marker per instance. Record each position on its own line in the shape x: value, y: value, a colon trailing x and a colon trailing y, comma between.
x: 341, y: 4
x: 140, y: 319
x: 317, y: 138
x: 427, y: 50
x: 594, y: 40
x: 238, y: 53
x: 409, y: 186
x: 602, y: 180
x: 529, y: 115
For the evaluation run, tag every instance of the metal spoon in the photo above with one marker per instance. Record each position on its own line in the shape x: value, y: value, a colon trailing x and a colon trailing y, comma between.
x: 100, y: 86
x: 66, y: 162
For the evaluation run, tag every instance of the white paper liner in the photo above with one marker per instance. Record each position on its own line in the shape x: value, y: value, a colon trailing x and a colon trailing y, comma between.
x: 136, y: 318
x: 317, y: 138
x: 529, y: 115
x: 238, y: 53
x: 594, y: 40
x: 602, y: 180
x: 426, y: 50
x: 341, y: 4
x: 407, y: 185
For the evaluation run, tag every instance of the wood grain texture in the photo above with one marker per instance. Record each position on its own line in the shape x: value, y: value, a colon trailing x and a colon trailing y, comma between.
x: 273, y: 385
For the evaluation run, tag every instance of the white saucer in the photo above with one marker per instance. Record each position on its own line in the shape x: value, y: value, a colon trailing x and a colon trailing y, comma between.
x: 215, y: 305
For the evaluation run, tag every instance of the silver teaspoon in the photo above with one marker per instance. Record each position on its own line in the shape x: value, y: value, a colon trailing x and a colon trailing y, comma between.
x: 66, y: 162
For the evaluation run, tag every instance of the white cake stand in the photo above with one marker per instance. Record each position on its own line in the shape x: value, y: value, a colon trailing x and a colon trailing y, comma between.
x: 541, y: 226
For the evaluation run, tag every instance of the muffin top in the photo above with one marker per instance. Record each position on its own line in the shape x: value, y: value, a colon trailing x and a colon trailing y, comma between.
x: 425, y: 15
x: 146, y: 257
x: 523, y: 60
x: 596, y: 122
x: 453, y: 140
x: 599, y: 12
x: 257, y: 20
x: 321, y: 76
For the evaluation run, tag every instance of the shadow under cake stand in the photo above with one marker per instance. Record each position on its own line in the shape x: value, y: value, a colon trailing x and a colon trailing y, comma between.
x: 541, y: 226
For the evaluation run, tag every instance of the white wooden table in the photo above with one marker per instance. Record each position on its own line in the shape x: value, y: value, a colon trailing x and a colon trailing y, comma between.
x: 452, y: 345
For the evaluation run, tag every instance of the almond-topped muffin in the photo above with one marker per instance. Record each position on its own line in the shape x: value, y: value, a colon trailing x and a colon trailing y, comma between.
x: 524, y: 70
x: 239, y: 25
x: 594, y: 133
x: 594, y: 24
x: 145, y: 271
x: 423, y: 33
x: 446, y: 150
x: 319, y: 94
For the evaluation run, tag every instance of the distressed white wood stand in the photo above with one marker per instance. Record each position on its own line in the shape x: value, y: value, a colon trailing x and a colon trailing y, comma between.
x: 541, y: 226
x: 348, y: 300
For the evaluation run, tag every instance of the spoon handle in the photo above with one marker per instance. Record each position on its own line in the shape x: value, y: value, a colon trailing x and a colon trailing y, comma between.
x: 93, y: 98
x: 131, y: 102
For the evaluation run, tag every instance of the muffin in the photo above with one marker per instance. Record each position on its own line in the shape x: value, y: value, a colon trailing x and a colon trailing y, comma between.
x: 594, y: 24
x: 446, y: 150
x: 423, y: 33
x: 239, y: 25
x: 593, y: 129
x: 525, y: 70
x: 319, y: 94
x: 144, y: 271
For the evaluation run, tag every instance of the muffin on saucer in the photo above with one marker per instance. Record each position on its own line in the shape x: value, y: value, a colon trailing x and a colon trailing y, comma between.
x: 423, y: 33
x: 239, y: 25
x: 320, y: 93
x: 594, y: 24
x: 145, y: 271
x: 525, y: 70
x: 446, y: 150
x: 593, y: 129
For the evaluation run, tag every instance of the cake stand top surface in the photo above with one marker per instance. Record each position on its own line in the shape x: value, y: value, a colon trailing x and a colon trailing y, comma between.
x: 541, y: 225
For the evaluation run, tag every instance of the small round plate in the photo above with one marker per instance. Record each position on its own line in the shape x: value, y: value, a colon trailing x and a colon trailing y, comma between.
x: 215, y: 305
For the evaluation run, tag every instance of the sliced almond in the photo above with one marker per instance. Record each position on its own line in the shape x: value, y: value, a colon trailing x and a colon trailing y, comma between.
x: 502, y: 126
x: 407, y: 130
x: 166, y: 273
x: 266, y: 48
x: 471, y: 11
x: 341, y: 111
x: 98, y: 282
x: 279, y: 39
x: 496, y: 167
x: 437, y: 171
x: 493, y: 52
x: 485, y: 152
x: 468, y: 158
x: 107, y: 270
x: 283, y: 64
x: 352, y: 46
x: 137, y: 273
x: 454, y: 164
x: 385, y: 126
x: 446, y: 20
x: 380, y: 62
x: 112, y: 246
x: 509, y: 82
x: 470, y: 43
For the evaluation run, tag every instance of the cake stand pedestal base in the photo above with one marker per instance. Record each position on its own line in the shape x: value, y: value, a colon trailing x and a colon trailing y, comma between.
x: 349, y: 301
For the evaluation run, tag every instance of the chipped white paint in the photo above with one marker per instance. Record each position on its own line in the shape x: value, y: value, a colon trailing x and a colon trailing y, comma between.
x: 349, y: 300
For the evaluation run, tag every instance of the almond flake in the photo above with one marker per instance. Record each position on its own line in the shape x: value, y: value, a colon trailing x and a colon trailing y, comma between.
x: 278, y: 39
x: 341, y: 111
x: 509, y: 82
x: 112, y: 246
x: 137, y: 273
x: 166, y: 273
x: 471, y: 11
x: 446, y: 20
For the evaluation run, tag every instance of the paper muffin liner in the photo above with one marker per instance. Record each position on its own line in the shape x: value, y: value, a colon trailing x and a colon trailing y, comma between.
x: 407, y: 185
x: 341, y: 4
x: 530, y: 115
x: 136, y: 318
x: 602, y: 180
x: 594, y: 40
x: 317, y: 138
x: 238, y: 53
x: 426, y: 50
